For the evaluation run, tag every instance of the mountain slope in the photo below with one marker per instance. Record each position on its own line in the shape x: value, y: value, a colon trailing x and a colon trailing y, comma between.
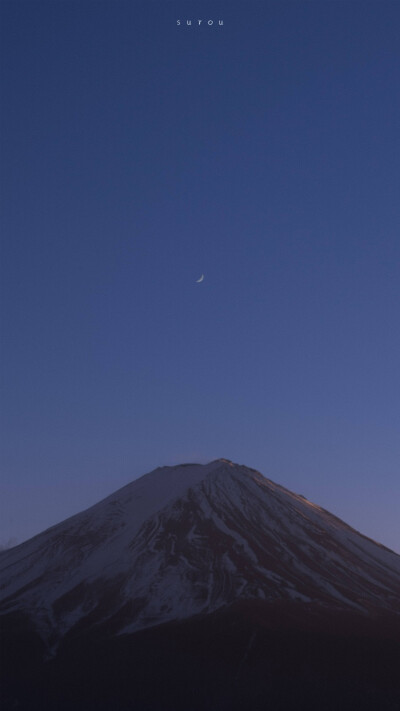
x: 189, y: 540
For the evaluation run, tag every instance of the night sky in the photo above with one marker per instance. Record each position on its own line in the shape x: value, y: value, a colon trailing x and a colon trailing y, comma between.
x: 137, y: 155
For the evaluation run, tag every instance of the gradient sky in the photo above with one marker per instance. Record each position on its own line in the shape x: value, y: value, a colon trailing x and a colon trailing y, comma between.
x: 137, y: 155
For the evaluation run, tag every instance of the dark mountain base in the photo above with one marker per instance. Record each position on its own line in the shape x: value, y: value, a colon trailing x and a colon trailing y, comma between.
x: 249, y: 658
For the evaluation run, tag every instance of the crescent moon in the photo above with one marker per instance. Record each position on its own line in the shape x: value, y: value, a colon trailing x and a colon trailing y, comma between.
x: 201, y: 279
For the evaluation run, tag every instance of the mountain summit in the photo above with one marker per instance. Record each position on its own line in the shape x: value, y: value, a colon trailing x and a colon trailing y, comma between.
x: 188, y: 540
x: 188, y: 560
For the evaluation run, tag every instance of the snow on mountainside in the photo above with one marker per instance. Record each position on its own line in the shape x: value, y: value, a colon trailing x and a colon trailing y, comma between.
x: 192, y: 539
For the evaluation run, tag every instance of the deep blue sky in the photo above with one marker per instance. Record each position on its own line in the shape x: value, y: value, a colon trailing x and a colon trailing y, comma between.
x: 137, y: 155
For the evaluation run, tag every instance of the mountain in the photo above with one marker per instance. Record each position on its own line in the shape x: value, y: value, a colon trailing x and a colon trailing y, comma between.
x: 178, y: 554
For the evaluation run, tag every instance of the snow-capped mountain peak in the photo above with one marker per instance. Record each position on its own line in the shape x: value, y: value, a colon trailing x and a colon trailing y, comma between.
x: 188, y: 540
